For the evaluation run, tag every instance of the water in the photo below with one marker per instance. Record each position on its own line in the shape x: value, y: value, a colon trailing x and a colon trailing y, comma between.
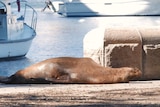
x: 61, y: 36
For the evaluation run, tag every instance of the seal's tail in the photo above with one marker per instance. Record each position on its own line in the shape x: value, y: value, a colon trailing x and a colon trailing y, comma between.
x: 4, y: 79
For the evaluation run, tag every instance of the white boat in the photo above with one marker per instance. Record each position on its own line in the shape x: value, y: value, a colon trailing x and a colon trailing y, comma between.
x: 108, y: 7
x: 16, y: 35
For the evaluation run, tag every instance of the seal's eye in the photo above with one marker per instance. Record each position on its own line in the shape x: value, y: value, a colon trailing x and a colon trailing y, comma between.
x: 134, y: 72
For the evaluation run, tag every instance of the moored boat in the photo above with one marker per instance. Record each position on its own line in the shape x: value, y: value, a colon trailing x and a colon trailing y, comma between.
x: 74, y: 8
x: 16, y: 34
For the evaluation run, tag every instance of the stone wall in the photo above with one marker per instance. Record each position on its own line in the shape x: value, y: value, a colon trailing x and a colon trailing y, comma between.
x: 126, y: 47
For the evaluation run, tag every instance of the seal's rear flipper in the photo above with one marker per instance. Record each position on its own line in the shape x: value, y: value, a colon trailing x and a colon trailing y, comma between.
x: 4, y: 79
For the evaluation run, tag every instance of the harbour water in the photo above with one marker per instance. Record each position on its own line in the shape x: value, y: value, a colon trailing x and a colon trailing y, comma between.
x: 63, y: 36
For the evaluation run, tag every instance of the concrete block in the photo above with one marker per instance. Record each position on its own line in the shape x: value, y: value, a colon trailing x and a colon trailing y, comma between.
x: 126, y: 47
x: 93, y: 45
x: 151, y: 52
x: 122, y: 47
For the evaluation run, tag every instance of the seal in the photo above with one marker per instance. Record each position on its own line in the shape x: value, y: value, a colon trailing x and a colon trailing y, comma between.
x: 71, y: 70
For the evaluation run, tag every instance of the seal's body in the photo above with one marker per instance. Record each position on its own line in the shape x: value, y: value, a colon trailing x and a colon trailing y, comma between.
x: 71, y: 70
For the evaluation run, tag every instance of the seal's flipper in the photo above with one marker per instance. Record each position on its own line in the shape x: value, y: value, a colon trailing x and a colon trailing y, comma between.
x: 4, y: 79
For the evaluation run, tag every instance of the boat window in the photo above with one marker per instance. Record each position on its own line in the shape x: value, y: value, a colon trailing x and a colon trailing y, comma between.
x: 2, y: 11
x: 2, y: 8
x: 9, y: 21
x: 1, y: 21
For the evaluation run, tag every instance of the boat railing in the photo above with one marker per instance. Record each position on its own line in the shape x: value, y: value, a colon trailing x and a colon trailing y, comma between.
x: 30, y: 16
x: 27, y: 13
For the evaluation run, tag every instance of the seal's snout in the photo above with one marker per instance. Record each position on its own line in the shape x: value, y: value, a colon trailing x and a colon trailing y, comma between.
x: 135, y: 73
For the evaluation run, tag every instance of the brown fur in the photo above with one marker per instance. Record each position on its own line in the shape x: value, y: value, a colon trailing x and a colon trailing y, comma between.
x: 72, y: 70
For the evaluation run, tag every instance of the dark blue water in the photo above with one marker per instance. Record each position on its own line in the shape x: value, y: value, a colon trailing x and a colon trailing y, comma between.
x: 63, y: 36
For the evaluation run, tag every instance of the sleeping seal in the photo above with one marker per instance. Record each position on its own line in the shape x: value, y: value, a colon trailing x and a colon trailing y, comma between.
x: 71, y: 70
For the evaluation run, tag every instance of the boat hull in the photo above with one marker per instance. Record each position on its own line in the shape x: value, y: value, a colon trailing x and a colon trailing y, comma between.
x: 18, y: 47
x: 14, y: 49
x: 107, y: 8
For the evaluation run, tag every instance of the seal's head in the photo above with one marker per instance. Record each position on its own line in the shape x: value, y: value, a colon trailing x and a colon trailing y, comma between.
x: 134, y: 74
